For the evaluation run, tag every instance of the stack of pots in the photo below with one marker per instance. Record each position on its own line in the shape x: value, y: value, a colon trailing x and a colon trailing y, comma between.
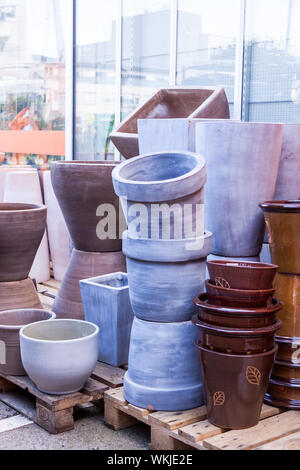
x: 283, y: 223
x: 236, y: 325
x: 166, y: 248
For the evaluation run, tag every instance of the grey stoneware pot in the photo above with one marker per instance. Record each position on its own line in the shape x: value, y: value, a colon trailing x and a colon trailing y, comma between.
x: 287, y: 184
x: 163, y: 373
x: 165, y: 275
x: 106, y: 304
x: 59, y: 355
x: 162, y: 194
x: 11, y: 322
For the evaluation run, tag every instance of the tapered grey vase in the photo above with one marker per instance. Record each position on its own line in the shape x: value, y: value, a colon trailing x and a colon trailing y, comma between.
x: 287, y: 184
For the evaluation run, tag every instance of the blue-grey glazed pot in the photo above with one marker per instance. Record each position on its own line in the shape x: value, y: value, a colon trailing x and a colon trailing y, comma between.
x: 165, y: 275
x: 106, y: 304
x: 162, y: 194
x: 163, y: 373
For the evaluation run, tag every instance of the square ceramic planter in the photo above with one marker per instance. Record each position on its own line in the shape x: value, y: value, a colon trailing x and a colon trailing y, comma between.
x: 106, y: 303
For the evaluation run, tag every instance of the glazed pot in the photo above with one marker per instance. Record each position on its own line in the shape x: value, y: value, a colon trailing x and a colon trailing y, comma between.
x: 83, y: 265
x: 283, y: 394
x: 163, y: 372
x: 283, y: 222
x: 250, y: 152
x: 235, y: 386
x: 106, y: 304
x: 162, y: 194
x: 22, y: 227
x: 288, y: 349
x: 265, y: 254
x: 59, y: 355
x: 287, y: 184
x: 19, y: 294
x: 287, y: 371
x: 242, y: 275
x: 165, y: 275
x: 219, y: 295
x: 236, y: 340
x: 236, y: 317
x: 11, y: 321
x: 81, y: 187
x: 288, y: 290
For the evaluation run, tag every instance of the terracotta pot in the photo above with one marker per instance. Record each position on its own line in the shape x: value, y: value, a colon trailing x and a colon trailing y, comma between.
x: 235, y: 386
x: 236, y: 317
x: 208, y: 102
x: 283, y: 394
x: 287, y: 185
x: 11, y: 321
x: 19, y: 294
x: 157, y: 190
x: 163, y: 372
x: 59, y: 355
x: 283, y: 222
x: 172, y: 273
x: 287, y: 371
x: 81, y: 187
x: 242, y: 275
x: 22, y: 227
x: 237, y: 297
x: 288, y: 349
x: 288, y: 290
x: 83, y: 265
x: 236, y: 340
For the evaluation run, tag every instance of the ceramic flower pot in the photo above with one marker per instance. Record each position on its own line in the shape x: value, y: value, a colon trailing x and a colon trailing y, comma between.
x: 11, y: 321
x: 19, y: 294
x: 287, y: 371
x: 22, y: 227
x: 250, y: 152
x: 283, y: 394
x: 288, y: 349
x: 106, y: 304
x: 235, y: 386
x: 283, y: 222
x: 81, y: 187
x: 162, y: 194
x: 59, y: 355
x: 5, y: 169
x: 265, y: 255
x: 163, y: 373
x: 236, y: 317
x: 288, y: 290
x: 172, y: 273
x: 287, y: 184
x: 236, y: 340
x: 219, y: 295
x: 242, y: 275
x: 84, y: 265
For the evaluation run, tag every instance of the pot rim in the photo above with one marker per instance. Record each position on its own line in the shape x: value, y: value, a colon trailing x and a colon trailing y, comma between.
x: 289, y: 206
x: 287, y: 365
x: 201, y: 301
x: 282, y: 383
x: 69, y: 341
x: 92, y: 281
x: 228, y: 290
x: 18, y: 327
x: 112, y: 163
x: 292, y: 340
x: 239, y: 356
x: 237, y: 265
x: 20, y: 207
x: 227, y: 331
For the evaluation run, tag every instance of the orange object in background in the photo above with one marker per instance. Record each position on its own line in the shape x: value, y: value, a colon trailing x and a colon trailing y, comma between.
x: 33, y: 142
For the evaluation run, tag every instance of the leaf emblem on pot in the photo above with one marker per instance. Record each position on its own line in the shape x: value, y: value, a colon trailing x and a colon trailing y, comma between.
x: 253, y: 375
x: 222, y: 282
x: 219, y: 398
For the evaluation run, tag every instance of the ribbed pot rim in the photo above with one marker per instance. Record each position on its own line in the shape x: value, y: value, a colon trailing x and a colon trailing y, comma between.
x: 288, y: 340
x: 237, y: 265
x: 237, y: 356
x: 90, y: 163
x: 236, y: 332
x: 282, y: 383
x: 287, y: 365
x: 162, y: 324
x: 250, y: 292
x: 15, y: 208
x: 201, y: 301
x: 68, y: 341
x: 281, y: 206
x: 24, y: 311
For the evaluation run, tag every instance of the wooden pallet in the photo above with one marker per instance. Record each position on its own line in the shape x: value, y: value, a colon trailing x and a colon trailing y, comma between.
x: 191, y: 430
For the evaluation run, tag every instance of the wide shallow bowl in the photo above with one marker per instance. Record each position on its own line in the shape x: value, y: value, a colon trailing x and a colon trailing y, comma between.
x: 236, y: 297
x: 236, y: 340
x: 288, y: 349
x: 242, y: 275
x: 59, y: 355
x: 235, y: 386
x: 283, y: 394
x: 236, y: 317
x: 11, y: 321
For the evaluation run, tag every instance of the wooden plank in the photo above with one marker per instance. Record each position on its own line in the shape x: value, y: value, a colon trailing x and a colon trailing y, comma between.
x: 47, y: 302
x: 117, y: 396
x: 52, y: 283
x: 14, y: 422
x: 290, y: 442
x: 94, y: 388
x: 177, y: 419
x: 162, y: 440
x: 115, y: 418
x: 112, y: 376
x: 20, y: 402
x: 47, y: 291
x: 139, y: 413
x: 194, y: 445
x: 264, y: 432
x: 54, y: 422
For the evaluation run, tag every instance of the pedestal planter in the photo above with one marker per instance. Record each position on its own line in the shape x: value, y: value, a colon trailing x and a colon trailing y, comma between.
x: 11, y: 322
x: 19, y: 294
x: 283, y: 394
x: 287, y: 185
x: 163, y: 373
x: 287, y: 371
x: 219, y: 295
x: 235, y: 386
x: 288, y: 290
x: 59, y: 355
x: 106, y: 304
x: 83, y: 265
x: 165, y: 275
x: 162, y: 194
x: 288, y: 349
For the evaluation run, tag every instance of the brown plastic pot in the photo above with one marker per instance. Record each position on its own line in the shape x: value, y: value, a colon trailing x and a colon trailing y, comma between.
x: 235, y: 386
x: 11, y: 322
x: 288, y: 349
x: 236, y: 340
x: 283, y: 223
x: 242, y: 274
x: 236, y: 317
x: 19, y: 294
x: 287, y: 371
x: 288, y: 290
x: 283, y: 394
x: 22, y: 227
x: 238, y: 298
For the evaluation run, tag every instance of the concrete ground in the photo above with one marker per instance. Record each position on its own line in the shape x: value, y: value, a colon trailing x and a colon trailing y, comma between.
x: 90, y: 433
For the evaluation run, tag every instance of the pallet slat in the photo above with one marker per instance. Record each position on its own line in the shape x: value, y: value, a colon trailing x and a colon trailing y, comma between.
x: 290, y: 442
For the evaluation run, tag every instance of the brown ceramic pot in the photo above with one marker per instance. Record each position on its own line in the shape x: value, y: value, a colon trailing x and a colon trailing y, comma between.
x: 238, y: 298
x: 10, y: 324
x: 19, y: 294
x: 283, y: 223
x: 22, y: 227
x: 287, y: 371
x: 236, y: 317
x: 242, y: 274
x: 283, y: 394
x: 288, y: 349
x: 288, y: 290
x: 235, y: 386
x: 236, y: 340
x: 81, y: 187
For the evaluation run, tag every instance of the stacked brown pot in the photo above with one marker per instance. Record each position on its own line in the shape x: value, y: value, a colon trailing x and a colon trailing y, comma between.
x: 237, y: 322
